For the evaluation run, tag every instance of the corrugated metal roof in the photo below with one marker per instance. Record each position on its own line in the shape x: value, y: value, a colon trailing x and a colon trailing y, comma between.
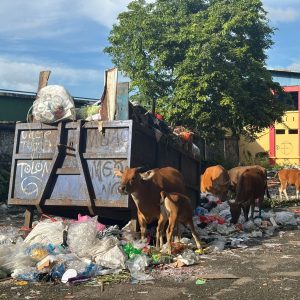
x: 32, y: 95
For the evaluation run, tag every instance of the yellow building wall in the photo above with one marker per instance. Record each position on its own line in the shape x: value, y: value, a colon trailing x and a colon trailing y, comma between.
x: 286, y: 142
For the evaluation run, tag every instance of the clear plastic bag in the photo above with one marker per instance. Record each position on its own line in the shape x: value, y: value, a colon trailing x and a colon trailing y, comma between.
x: 53, y: 103
x: 137, y: 267
x: 9, y: 235
x: 285, y: 218
x: 82, y: 236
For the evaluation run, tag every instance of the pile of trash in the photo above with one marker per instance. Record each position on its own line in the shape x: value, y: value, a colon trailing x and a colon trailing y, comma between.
x: 69, y: 251
x: 212, y: 218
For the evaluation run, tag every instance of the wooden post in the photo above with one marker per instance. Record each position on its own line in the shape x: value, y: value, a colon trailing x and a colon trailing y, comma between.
x: 28, y: 217
x: 43, y: 80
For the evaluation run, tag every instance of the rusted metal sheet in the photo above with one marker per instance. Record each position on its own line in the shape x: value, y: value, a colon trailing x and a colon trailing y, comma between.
x: 72, y: 163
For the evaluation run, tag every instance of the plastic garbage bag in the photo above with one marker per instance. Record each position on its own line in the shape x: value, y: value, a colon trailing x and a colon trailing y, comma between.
x: 270, y: 231
x: 249, y: 226
x: 39, y: 251
x: 256, y: 233
x: 53, y: 103
x: 137, y: 267
x: 131, y: 251
x: 257, y: 221
x: 82, y: 236
x: 188, y: 257
x: 46, y: 232
x: 76, y: 264
x: 14, y: 257
x: 114, y: 258
x: 218, y: 244
x: 99, y: 226
x: 102, y: 246
x: 9, y: 235
x: 285, y: 218
x: 27, y: 274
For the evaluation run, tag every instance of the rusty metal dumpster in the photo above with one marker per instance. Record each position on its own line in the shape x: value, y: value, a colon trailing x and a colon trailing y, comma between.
x: 70, y: 166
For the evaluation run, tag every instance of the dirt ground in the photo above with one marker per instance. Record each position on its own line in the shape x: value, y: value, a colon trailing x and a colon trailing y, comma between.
x: 267, y: 269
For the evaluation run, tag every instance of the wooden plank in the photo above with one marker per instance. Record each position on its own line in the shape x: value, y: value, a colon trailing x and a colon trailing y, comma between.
x: 43, y: 80
x: 122, y: 101
x: 28, y: 217
x: 108, y: 103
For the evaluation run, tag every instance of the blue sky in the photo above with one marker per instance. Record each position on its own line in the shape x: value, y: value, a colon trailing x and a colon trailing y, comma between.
x: 68, y: 36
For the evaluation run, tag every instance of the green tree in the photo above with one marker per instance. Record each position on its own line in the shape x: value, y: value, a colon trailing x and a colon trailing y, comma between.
x: 202, y: 62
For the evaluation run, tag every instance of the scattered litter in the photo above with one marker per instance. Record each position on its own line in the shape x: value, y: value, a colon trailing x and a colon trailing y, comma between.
x: 21, y: 283
x: 200, y: 281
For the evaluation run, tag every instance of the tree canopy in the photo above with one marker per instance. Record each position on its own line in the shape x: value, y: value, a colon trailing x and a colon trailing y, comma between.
x: 202, y: 61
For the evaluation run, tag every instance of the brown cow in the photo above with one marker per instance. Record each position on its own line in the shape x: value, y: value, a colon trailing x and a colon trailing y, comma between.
x: 178, y: 209
x: 215, y: 180
x: 236, y: 172
x: 145, y: 189
x: 250, y: 186
x: 289, y: 177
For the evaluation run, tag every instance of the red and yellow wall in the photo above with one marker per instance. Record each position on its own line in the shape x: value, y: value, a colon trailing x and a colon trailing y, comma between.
x: 280, y: 141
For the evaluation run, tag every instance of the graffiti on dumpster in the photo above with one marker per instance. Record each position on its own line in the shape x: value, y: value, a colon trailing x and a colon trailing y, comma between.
x: 104, y: 180
x: 30, y: 175
x: 116, y: 139
x: 36, y: 140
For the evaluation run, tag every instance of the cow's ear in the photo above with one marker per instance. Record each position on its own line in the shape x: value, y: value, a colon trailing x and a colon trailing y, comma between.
x: 147, y: 175
x: 118, y: 173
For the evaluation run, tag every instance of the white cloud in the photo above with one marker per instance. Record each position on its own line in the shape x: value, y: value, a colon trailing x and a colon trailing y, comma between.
x: 104, y: 12
x: 294, y: 67
x: 47, y: 18
x: 22, y: 74
x: 282, y: 14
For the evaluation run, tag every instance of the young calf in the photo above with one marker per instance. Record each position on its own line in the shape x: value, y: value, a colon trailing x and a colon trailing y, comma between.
x: 178, y: 209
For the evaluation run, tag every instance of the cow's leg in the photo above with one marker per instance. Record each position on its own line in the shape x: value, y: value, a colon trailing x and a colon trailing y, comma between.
x: 283, y: 188
x: 143, y: 225
x: 194, y: 234
x: 246, y: 212
x: 170, y: 229
x: 252, y: 210
x: 280, y: 192
x: 159, y: 231
x: 297, y: 191
x: 260, y: 203
x: 177, y: 236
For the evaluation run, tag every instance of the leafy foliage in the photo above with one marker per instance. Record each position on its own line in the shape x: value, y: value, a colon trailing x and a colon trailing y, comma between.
x: 203, y: 62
